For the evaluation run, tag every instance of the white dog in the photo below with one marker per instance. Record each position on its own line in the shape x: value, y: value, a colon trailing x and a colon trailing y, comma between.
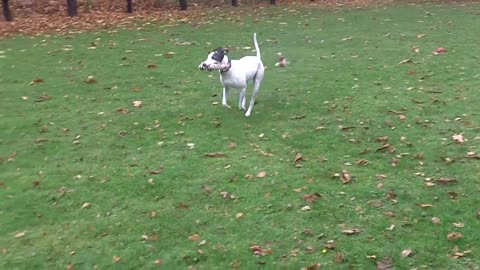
x: 236, y: 74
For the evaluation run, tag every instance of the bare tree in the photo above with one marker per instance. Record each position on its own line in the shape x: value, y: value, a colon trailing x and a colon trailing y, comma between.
x: 183, y: 4
x: 6, y: 11
x: 234, y: 3
x: 129, y: 6
x: 72, y: 8
x: 272, y: 2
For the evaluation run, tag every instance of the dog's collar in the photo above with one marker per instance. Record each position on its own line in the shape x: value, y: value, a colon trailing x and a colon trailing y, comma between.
x: 227, y: 66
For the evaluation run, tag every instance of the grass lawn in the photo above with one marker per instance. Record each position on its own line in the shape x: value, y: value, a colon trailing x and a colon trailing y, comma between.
x: 364, y: 148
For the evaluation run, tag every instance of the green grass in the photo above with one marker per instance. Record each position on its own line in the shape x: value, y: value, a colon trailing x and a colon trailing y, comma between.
x: 76, y: 147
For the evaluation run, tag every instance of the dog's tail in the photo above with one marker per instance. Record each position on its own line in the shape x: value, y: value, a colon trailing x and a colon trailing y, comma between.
x: 256, y: 45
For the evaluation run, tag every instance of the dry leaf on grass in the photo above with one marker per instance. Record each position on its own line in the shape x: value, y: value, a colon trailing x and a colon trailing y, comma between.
x: 215, y: 155
x: 458, y: 138
x: 454, y: 236
x: 260, y: 251
x: 345, y: 177
x: 194, y: 237
x: 407, y: 253
x: 116, y: 259
x: 446, y: 180
x: 436, y: 220
x: 352, y: 231
x: 261, y: 174
x: 312, y: 267
x: 86, y: 205
x: 312, y: 197
x: 385, y: 264
x: 137, y: 103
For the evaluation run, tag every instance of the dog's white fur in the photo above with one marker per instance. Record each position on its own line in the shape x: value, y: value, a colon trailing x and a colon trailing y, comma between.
x: 237, y: 75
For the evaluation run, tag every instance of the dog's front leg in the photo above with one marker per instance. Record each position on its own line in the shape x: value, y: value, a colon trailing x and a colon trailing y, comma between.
x: 225, y: 98
x: 242, y: 99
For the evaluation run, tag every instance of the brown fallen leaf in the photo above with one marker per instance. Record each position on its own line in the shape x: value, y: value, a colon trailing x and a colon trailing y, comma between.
x: 456, y: 253
x: 391, y: 195
x: 312, y: 267
x: 454, y: 236
x: 382, y: 139
x: 70, y: 266
x: 239, y: 215
x: 406, y: 61
x: 331, y: 245
x: 407, y: 253
x: 363, y: 162
x: 215, y: 155
x: 182, y: 205
x: 86, y: 205
x: 424, y: 205
x: 151, y: 66
x: 37, y: 80
x: 296, y: 117
x: 158, y: 262
x: 260, y: 251
x: 345, y: 177
x: 194, y: 237
x: 390, y: 214
x: 207, y: 189
x: 312, y: 197
x: 123, y: 110
x: 116, y: 259
x: 435, y: 220
x: 43, y: 98
x: 339, y: 257
x: 261, y: 174
x: 20, y: 234
x: 232, y: 145
x: 156, y: 171
x: 91, y: 80
x: 385, y: 264
x: 352, y: 231
x: 458, y: 138
x: 298, y: 157
x: 445, y: 180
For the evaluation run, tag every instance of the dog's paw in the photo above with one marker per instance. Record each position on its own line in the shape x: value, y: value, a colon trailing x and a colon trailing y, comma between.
x: 247, y: 114
x: 226, y: 105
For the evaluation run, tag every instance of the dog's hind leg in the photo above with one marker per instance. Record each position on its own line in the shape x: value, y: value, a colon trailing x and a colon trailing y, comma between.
x: 225, y: 98
x: 242, y: 100
x: 256, y: 87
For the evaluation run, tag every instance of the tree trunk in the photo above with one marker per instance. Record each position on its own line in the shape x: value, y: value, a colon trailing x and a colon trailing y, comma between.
x: 6, y: 11
x: 183, y: 4
x: 234, y: 3
x: 129, y: 6
x: 72, y: 8
x: 272, y: 2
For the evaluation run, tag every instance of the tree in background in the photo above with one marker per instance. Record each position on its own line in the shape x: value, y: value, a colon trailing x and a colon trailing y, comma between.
x: 129, y: 6
x: 234, y: 3
x: 6, y: 11
x: 72, y: 8
x: 183, y: 4
x: 272, y: 2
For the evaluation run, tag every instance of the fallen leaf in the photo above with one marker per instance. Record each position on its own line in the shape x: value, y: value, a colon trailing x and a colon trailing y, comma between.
x: 158, y: 262
x: 440, y: 50
x: 298, y: 157
x: 156, y: 171
x: 385, y: 264
x: 435, y: 220
x: 215, y: 155
x: 345, y: 177
x: 239, y: 215
x: 116, y: 259
x: 406, y: 61
x: 306, y: 208
x: 137, y: 103
x: 407, y: 253
x: 382, y: 139
x: 43, y: 97
x: 390, y: 214
x: 363, y: 162
x: 123, y: 110
x: 259, y: 251
x: 91, y: 80
x: 312, y: 267
x: 459, y: 225
x: 86, y: 205
x: 424, y: 205
x: 347, y: 38
x: 454, y: 236
x: 37, y: 80
x: 194, y: 237
x: 4, y: 251
x: 207, y: 189
x: 182, y: 205
x: 70, y: 266
x: 261, y: 174
x: 311, y: 197
x: 330, y: 245
x: 232, y: 145
x: 445, y: 180
x: 458, y: 138
x: 351, y: 231
x: 19, y: 234
x: 339, y: 258
x: 151, y: 66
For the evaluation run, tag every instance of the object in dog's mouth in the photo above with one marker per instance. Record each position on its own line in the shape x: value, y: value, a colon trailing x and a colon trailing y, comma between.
x: 219, y: 66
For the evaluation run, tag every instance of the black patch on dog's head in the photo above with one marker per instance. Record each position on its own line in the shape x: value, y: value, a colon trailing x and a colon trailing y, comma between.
x: 219, y: 54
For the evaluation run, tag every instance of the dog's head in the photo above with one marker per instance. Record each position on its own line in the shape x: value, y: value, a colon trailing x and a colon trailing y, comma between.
x: 216, y: 60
